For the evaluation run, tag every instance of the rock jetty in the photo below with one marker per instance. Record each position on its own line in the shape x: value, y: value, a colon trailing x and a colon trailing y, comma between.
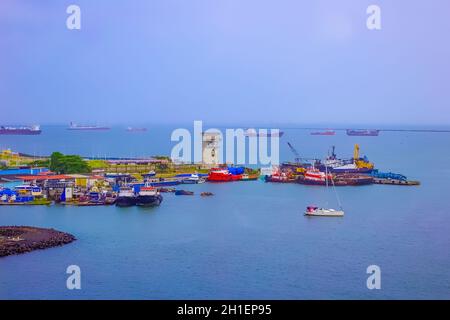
x: 22, y: 239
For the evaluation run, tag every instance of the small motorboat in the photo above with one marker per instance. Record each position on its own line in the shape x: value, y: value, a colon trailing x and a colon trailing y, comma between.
x: 183, y: 193
x: 206, y: 194
x: 249, y: 177
x: 321, y: 212
x: 193, y: 179
x: 167, y: 190
x: 110, y: 198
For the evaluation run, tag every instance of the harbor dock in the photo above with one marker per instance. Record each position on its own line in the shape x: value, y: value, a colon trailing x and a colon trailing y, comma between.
x: 93, y: 182
x: 396, y: 182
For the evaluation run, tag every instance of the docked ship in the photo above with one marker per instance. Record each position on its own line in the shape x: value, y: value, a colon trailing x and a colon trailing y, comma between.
x: 352, y: 179
x: 74, y: 126
x: 254, y: 133
x: 363, y: 132
x: 20, y: 130
x: 148, y: 197
x: 356, y: 164
x: 350, y: 168
x: 222, y: 175
x: 152, y: 181
x: 249, y: 177
x: 280, y: 177
x: 314, y: 176
x: 323, y: 133
x: 126, y: 197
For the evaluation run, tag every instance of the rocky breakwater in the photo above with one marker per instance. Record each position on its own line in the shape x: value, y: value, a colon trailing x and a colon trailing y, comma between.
x: 22, y: 239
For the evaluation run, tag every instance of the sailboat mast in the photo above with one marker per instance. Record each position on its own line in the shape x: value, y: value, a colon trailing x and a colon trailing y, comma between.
x: 337, y: 196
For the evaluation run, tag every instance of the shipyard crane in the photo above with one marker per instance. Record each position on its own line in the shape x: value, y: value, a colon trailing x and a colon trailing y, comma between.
x: 356, y: 152
x: 297, y: 158
x: 295, y: 152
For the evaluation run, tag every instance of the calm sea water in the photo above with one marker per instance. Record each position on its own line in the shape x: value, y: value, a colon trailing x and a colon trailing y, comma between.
x: 250, y: 240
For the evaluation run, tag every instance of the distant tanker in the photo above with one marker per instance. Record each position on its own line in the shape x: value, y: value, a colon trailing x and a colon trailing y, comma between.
x: 23, y: 130
x: 362, y: 132
x: 74, y: 126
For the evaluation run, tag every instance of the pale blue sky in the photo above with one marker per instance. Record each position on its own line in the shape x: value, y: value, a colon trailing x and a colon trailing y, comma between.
x: 231, y: 61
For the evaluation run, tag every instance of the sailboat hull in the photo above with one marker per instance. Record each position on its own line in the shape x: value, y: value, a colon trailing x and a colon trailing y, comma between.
x: 325, y: 213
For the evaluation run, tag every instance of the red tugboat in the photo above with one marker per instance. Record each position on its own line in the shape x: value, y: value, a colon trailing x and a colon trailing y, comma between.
x: 313, y: 176
x: 222, y: 175
x: 316, y: 177
x: 281, y: 177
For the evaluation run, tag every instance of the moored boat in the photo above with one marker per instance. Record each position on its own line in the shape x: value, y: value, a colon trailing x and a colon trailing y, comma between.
x: 161, y: 182
x: 280, y: 177
x: 314, y: 176
x: 222, y: 175
x: 352, y: 179
x: 148, y: 196
x: 184, y: 193
x: 126, y: 197
x: 193, y: 179
x: 325, y: 212
x: 321, y: 212
x: 350, y: 168
x: 249, y: 177
x: 356, y: 164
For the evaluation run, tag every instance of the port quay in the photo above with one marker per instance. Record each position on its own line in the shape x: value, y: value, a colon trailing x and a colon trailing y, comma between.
x: 224, y: 159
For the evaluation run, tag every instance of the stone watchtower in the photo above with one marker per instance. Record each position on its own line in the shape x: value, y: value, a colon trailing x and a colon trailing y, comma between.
x: 211, y: 148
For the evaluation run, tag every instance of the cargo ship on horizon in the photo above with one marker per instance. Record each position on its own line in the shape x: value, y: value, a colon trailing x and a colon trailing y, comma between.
x: 323, y: 133
x: 363, y: 132
x: 74, y: 126
x: 258, y: 133
x: 136, y: 129
x: 21, y: 130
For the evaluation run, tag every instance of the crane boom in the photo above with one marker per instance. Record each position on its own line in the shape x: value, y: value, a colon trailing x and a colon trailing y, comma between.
x: 356, y: 152
x: 295, y: 152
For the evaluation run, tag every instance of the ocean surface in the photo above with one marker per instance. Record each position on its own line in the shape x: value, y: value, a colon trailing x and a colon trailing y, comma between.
x: 250, y: 240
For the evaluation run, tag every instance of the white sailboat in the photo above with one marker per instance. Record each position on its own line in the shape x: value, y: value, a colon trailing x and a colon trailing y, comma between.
x: 325, y: 212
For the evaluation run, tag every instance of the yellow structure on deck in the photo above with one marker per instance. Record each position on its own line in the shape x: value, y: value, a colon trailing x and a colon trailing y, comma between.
x: 361, y: 162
